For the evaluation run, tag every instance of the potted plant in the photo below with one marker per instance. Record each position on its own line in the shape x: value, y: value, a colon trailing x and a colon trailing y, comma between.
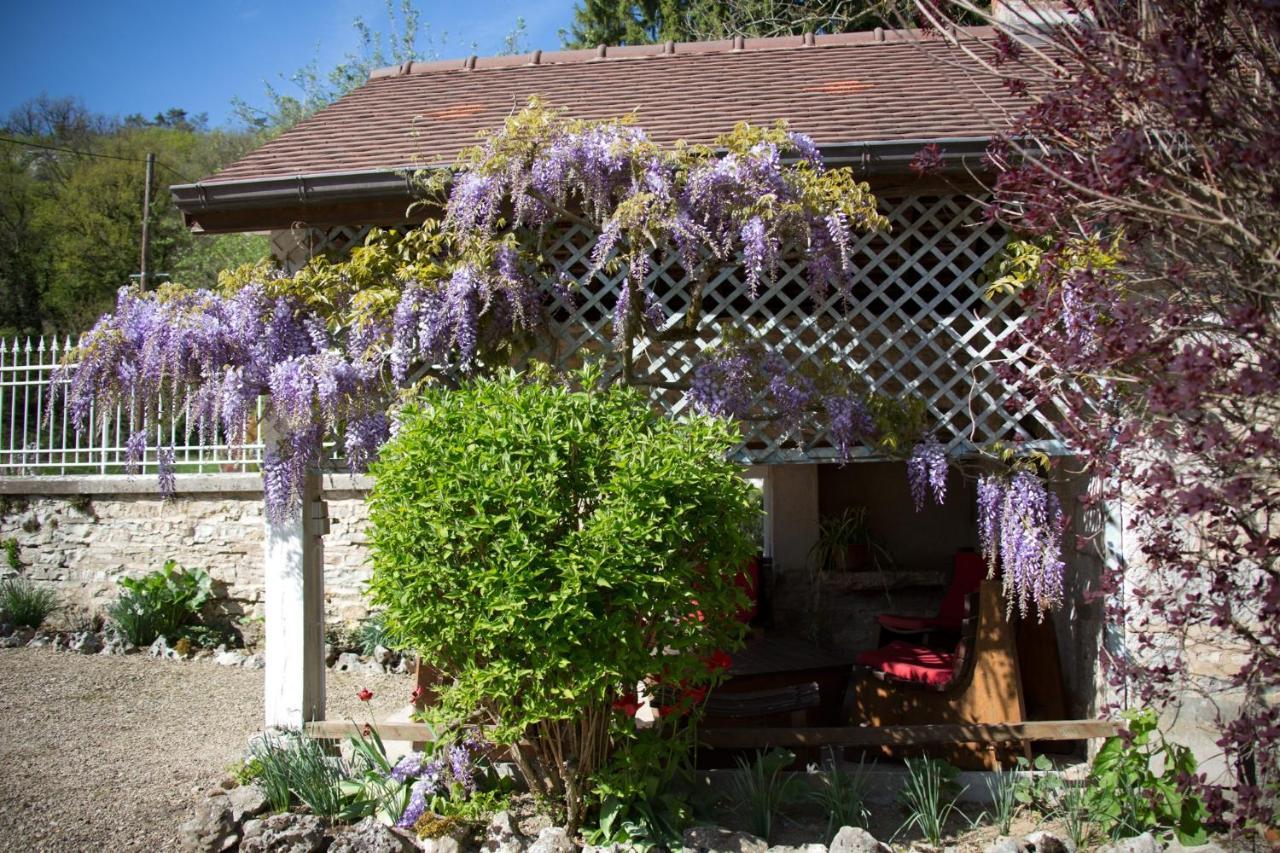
x: 845, y: 544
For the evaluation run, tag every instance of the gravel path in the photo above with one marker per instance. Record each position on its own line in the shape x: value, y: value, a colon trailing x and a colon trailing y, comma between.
x: 110, y: 753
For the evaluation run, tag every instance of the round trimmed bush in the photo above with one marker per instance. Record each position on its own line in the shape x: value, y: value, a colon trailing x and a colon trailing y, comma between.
x: 548, y: 548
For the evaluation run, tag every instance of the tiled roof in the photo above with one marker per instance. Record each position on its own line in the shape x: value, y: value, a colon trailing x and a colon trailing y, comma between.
x: 859, y: 87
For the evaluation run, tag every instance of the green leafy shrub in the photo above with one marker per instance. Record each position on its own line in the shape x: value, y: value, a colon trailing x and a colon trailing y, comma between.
x: 1127, y: 797
x: 548, y: 547
x: 25, y: 605
x: 161, y: 603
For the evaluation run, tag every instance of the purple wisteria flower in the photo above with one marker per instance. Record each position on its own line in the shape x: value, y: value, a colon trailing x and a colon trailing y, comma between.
x: 927, y: 472
x: 1020, y: 528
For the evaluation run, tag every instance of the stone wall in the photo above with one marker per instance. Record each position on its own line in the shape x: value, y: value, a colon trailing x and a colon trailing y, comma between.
x: 80, y: 535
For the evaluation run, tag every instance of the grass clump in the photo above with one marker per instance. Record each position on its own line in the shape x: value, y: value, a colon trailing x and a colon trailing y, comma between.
x: 25, y: 605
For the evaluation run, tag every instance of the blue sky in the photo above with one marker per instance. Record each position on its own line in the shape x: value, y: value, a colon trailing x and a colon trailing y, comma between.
x: 135, y: 56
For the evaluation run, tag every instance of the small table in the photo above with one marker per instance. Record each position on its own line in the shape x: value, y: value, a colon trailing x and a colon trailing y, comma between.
x: 780, y: 661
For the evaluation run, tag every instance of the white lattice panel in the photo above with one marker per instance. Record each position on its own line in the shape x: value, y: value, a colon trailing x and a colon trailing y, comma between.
x: 916, y: 322
x: 295, y: 246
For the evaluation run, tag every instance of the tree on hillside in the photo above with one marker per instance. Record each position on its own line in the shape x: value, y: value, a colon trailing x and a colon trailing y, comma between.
x: 626, y: 22
x: 71, y: 187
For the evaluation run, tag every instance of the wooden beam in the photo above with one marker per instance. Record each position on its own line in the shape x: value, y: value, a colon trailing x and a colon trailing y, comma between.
x: 338, y: 729
x: 815, y: 736
x: 910, y: 735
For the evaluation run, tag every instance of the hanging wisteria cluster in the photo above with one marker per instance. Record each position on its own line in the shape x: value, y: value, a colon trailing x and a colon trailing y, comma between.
x: 209, y: 357
x: 330, y: 348
x: 743, y: 381
x: 1020, y: 528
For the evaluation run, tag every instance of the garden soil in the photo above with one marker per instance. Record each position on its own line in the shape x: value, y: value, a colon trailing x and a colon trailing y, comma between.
x: 107, y: 753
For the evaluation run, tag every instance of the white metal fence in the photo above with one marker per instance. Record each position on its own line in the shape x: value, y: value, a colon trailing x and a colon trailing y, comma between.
x: 39, y: 438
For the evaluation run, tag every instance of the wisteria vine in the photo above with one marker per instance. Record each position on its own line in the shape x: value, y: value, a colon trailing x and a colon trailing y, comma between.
x: 1020, y: 527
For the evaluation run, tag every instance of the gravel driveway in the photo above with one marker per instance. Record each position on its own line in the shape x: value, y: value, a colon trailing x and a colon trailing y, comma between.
x: 110, y: 753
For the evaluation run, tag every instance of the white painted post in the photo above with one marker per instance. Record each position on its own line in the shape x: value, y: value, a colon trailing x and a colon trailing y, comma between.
x: 294, y: 608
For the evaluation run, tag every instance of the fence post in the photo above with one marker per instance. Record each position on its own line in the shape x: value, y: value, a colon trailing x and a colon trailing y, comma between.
x: 294, y: 607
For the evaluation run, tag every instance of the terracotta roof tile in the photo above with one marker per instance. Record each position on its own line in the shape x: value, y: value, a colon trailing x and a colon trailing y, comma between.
x: 859, y: 87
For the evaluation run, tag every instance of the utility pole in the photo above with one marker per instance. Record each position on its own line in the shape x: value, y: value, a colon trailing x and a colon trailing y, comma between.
x: 146, y: 218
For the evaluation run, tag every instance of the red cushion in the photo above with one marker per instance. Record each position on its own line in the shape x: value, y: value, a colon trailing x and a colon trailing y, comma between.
x: 912, y: 663
x: 906, y: 623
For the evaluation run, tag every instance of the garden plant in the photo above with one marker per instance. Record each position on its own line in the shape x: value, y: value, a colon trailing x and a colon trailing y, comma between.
x: 164, y: 603
x: 550, y: 547
x: 24, y: 604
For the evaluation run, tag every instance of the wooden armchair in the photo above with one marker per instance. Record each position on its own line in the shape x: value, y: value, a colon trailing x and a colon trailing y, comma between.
x: 979, y: 682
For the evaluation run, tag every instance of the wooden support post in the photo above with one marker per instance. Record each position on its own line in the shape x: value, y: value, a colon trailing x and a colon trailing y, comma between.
x: 294, y: 578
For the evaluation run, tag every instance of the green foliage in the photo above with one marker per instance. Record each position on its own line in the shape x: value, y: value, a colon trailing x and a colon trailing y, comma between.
x: 1127, y: 797
x: 246, y: 771
x: 296, y: 766
x: 25, y: 605
x: 930, y: 798
x: 642, y: 792
x: 1023, y: 263
x: 373, y: 631
x: 160, y: 603
x: 843, y: 797
x: 837, y: 533
x: 539, y: 543
x: 621, y: 22
x: 70, y: 218
x: 1036, y: 786
x: 369, y: 783
x: 13, y: 553
x: 1002, y: 786
x: 1072, y: 811
x: 650, y: 21
x: 763, y: 788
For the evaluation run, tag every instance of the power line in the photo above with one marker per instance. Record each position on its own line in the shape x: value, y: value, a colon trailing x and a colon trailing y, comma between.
x: 40, y: 145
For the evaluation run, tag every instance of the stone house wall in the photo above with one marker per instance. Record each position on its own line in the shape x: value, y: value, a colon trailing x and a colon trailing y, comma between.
x: 80, y: 535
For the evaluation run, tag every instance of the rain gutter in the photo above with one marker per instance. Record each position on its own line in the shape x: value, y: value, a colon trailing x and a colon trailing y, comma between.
x: 870, y: 159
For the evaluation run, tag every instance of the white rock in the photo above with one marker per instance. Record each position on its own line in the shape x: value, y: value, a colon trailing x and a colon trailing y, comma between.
x: 212, y: 829
x: 370, y: 836
x: 1046, y: 842
x: 1005, y: 844
x: 254, y: 662
x: 1144, y: 843
x: 159, y: 648
x: 348, y: 662
x: 86, y: 643
x: 715, y: 839
x: 803, y: 848
x: 283, y: 833
x: 852, y: 839
x: 553, y: 839
x: 229, y: 658
x: 381, y: 655
x: 115, y: 646
x: 246, y: 801
x: 501, y: 835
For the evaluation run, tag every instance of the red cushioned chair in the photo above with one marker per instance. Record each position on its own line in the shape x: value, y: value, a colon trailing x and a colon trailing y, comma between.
x: 968, y: 572
x: 976, y: 681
